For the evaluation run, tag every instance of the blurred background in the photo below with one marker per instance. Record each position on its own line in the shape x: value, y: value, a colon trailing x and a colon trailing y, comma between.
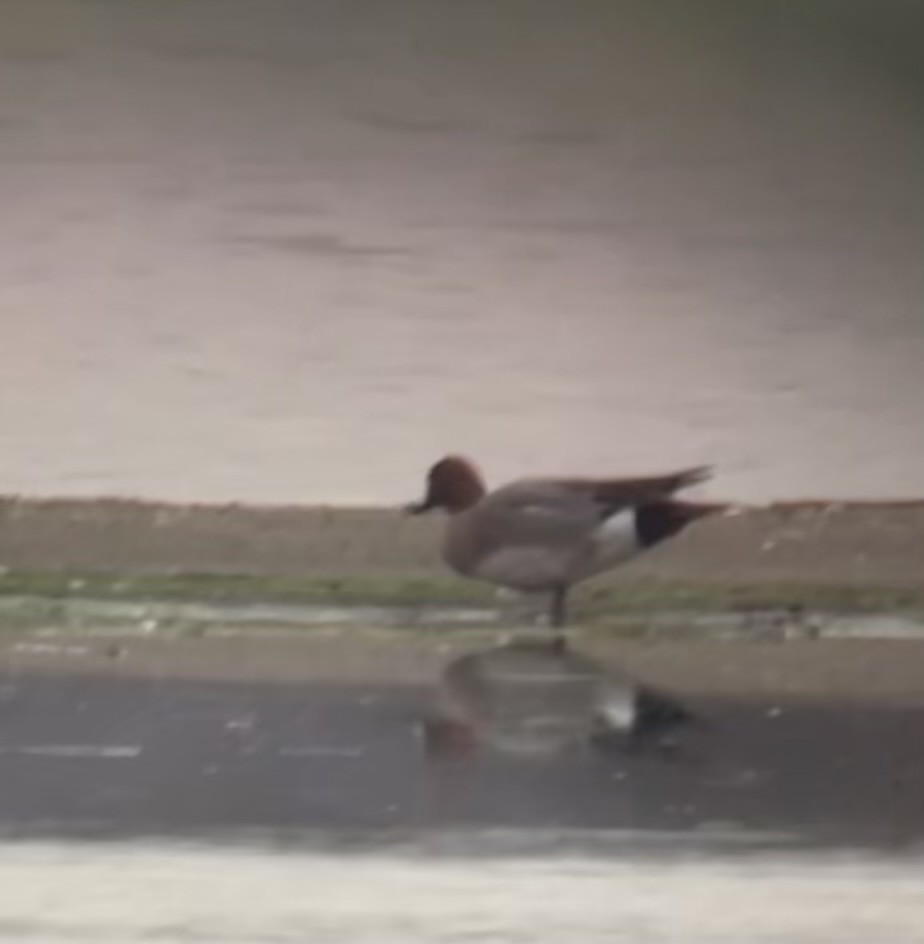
x: 293, y: 250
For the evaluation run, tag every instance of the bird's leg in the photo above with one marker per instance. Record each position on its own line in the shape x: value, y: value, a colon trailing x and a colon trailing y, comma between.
x: 558, y: 614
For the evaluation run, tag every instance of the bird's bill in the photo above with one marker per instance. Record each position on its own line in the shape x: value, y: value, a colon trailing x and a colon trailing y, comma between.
x: 418, y: 507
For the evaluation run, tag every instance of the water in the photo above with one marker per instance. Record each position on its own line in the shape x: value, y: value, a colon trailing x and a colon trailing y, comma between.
x: 293, y: 250
x: 273, y: 791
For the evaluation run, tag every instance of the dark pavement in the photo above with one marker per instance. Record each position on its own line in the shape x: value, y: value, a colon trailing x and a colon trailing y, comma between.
x: 94, y: 754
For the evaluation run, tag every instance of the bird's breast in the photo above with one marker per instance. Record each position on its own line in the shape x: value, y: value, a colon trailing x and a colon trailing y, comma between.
x: 526, y: 567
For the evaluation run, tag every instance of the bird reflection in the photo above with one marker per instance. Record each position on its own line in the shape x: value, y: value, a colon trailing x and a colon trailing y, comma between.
x: 539, y: 698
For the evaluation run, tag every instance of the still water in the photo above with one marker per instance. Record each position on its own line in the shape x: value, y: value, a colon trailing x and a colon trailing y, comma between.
x: 292, y: 250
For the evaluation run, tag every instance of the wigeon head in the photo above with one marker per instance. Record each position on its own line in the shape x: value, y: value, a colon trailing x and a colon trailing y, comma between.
x: 453, y: 484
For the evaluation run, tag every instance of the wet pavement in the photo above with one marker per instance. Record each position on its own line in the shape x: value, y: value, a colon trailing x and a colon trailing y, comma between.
x: 263, y: 789
x: 109, y: 753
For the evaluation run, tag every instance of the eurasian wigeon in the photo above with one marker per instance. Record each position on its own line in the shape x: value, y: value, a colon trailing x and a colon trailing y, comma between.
x: 547, y: 534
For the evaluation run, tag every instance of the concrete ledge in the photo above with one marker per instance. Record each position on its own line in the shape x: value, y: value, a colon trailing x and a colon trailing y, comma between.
x: 869, y: 544
x: 861, y: 671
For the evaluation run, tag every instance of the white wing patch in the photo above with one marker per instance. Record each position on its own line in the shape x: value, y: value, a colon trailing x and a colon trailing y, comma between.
x: 616, y: 539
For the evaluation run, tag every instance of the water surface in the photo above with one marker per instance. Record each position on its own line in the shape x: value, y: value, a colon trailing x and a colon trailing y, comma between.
x: 293, y: 250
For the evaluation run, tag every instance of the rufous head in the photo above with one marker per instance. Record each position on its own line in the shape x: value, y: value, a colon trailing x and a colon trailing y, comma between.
x: 454, y: 484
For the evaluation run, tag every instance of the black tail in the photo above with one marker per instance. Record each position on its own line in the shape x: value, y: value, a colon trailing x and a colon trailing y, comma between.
x: 658, y: 520
x: 620, y: 493
x: 688, y: 477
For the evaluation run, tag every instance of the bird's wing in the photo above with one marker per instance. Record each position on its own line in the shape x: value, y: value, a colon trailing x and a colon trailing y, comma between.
x: 565, y: 511
x: 540, y: 511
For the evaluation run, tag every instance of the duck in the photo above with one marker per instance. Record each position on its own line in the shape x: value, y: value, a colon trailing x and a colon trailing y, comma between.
x: 545, y: 535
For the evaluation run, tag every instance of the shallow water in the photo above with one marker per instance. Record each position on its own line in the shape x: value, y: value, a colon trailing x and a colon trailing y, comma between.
x: 295, y: 250
x: 181, y: 802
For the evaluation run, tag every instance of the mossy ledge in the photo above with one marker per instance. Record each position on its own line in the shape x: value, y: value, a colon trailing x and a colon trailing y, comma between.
x: 641, y: 595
